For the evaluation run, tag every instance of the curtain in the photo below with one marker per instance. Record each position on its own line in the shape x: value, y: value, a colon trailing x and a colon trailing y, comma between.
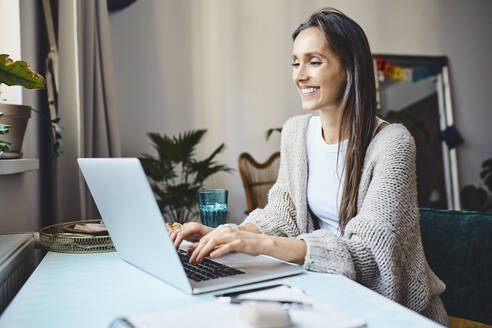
x: 98, y: 128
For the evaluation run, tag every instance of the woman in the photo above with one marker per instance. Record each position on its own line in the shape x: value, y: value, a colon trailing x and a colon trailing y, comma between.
x: 345, y: 199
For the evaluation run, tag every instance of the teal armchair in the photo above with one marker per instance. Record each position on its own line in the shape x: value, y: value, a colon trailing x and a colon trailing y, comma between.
x: 458, y: 247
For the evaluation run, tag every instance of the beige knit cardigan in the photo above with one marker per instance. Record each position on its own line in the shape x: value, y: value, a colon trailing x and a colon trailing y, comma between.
x: 382, y: 246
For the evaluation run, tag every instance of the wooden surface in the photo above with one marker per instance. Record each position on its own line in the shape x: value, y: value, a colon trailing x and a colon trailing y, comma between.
x: 11, y: 166
x: 463, y: 323
x: 257, y: 178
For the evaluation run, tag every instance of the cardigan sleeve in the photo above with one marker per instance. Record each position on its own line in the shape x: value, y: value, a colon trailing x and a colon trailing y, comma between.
x: 278, y: 216
x: 381, y: 247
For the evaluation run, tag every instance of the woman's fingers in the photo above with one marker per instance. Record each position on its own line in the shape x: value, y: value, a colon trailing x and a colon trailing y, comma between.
x: 224, y: 249
x: 191, y: 248
x: 186, y: 232
x: 172, y: 235
x: 224, y: 240
x: 182, y: 234
x: 177, y: 238
x: 192, y: 231
x: 203, y: 248
x: 202, y: 251
x: 198, y: 248
x: 217, y: 239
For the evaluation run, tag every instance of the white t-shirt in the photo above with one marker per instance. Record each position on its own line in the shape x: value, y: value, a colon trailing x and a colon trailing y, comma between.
x: 325, y: 175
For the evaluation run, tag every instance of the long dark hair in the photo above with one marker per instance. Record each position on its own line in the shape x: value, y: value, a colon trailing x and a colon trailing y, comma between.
x: 348, y: 42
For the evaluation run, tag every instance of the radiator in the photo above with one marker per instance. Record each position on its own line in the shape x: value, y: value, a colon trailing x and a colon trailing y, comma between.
x: 16, y: 264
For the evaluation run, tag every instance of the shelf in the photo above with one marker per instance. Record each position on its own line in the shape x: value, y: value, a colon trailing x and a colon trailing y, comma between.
x: 11, y: 166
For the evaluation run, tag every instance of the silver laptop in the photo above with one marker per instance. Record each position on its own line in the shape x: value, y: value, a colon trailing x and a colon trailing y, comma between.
x: 127, y: 205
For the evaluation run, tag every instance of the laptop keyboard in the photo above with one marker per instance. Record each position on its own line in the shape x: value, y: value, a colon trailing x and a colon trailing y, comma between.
x: 206, y: 270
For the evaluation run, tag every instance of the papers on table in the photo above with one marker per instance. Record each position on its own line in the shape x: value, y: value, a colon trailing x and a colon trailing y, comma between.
x: 314, y: 313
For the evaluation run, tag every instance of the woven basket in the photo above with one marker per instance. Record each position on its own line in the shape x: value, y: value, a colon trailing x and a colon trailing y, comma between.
x: 55, y: 238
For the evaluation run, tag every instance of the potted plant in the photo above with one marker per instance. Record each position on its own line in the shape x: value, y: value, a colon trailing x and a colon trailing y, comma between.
x: 479, y: 198
x: 13, y: 118
x: 176, y: 175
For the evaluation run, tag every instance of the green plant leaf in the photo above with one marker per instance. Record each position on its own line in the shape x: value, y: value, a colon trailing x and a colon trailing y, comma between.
x: 217, y: 151
x: 208, y: 167
x: 182, y: 195
x: 4, y: 146
x: 270, y: 131
x: 157, y: 170
x: 59, y: 151
x: 4, y: 128
x: 186, y: 143
x: 178, y: 203
x: 170, y: 170
x: 19, y: 73
x: 178, y: 149
x: 204, y: 170
x: 164, y: 147
x: 487, y: 163
x: 486, y: 173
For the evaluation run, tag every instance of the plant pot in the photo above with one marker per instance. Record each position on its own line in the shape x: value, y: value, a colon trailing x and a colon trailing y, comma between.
x: 16, y: 116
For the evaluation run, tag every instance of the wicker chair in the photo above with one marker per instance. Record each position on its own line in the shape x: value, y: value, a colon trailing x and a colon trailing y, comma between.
x: 258, y: 178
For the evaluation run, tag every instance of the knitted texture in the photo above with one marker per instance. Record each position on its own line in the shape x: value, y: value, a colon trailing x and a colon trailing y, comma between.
x: 382, y: 247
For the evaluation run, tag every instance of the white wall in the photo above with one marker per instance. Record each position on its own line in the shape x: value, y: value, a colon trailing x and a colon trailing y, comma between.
x: 10, y: 43
x: 225, y: 65
x: 19, y: 193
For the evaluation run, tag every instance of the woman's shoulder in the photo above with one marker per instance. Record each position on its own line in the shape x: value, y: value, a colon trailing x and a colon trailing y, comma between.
x: 297, y: 121
x: 394, y: 137
x: 293, y: 140
x: 296, y: 126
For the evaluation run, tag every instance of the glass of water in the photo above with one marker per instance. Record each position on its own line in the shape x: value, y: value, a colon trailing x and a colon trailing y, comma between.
x: 213, y: 206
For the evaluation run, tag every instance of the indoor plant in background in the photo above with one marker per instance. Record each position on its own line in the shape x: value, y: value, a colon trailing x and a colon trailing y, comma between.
x: 13, y: 118
x: 176, y: 175
x: 479, y: 198
x: 4, y: 129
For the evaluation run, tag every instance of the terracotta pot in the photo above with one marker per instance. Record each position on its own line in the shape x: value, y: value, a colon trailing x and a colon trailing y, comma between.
x: 16, y: 116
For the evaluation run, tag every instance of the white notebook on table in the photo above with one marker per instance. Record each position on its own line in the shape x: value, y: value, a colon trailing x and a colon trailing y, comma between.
x: 218, y: 314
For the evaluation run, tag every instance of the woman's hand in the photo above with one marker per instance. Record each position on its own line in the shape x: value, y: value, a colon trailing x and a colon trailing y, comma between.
x: 224, y: 239
x: 248, y: 240
x: 191, y: 231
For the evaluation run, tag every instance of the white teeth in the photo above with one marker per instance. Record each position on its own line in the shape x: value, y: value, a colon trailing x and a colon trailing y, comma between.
x: 308, y: 90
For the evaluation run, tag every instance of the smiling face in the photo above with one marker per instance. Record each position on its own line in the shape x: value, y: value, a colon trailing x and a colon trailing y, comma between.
x: 317, y: 71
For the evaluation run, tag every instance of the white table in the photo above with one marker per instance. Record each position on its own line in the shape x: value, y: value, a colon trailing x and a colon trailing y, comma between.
x: 91, y: 290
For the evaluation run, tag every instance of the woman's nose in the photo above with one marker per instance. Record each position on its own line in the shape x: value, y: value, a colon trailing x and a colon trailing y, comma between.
x: 300, y: 74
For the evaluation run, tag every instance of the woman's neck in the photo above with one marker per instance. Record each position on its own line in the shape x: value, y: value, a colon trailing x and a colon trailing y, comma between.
x: 330, y: 122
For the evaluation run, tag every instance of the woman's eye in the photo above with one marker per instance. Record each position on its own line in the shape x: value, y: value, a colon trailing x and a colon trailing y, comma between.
x: 315, y: 63
x: 295, y: 64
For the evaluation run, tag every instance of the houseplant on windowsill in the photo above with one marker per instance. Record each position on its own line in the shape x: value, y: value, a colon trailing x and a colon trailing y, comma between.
x: 13, y: 118
x: 176, y: 175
